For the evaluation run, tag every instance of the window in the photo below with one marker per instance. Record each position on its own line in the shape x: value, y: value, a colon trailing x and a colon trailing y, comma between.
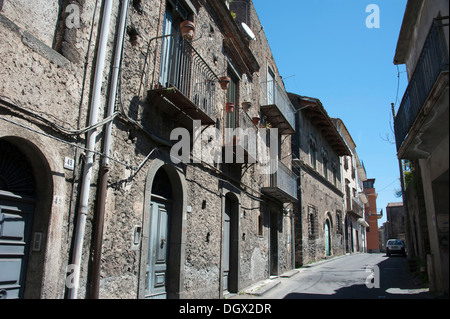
x: 313, y: 151
x: 311, y: 225
x: 345, y: 162
x: 312, y: 222
x: 368, y: 184
x: 334, y: 169
x: 313, y: 157
x: 339, y: 222
x: 232, y: 97
x: 260, y: 225
x: 325, y: 163
x: 348, y: 195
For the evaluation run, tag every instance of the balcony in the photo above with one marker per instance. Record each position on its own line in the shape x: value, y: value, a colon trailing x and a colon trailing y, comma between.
x: 420, y: 120
x: 281, y: 185
x: 354, y: 206
x: 278, y: 108
x: 185, y: 79
x: 241, y: 134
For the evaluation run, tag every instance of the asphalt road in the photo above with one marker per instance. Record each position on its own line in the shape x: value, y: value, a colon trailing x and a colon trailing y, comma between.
x: 358, y: 276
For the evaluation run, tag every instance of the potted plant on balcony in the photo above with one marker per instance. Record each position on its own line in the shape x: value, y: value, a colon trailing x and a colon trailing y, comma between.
x: 229, y: 107
x: 187, y: 29
x: 224, y: 82
x: 266, y: 125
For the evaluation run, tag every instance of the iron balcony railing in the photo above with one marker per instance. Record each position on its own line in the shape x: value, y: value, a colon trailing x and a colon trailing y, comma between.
x: 246, y: 138
x: 183, y: 68
x: 280, y: 99
x: 281, y: 184
x: 432, y: 61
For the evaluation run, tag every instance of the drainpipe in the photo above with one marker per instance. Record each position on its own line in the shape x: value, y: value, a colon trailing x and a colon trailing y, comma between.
x: 90, y: 146
x: 104, y: 170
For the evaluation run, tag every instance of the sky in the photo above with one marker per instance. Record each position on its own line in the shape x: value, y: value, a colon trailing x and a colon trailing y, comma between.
x: 324, y: 49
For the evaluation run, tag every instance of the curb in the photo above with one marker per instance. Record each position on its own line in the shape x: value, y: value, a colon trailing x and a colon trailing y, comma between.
x: 262, y: 287
x: 289, y: 274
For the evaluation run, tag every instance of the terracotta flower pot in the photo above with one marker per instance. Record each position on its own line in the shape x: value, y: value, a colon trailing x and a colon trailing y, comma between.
x: 229, y: 107
x: 255, y: 120
x: 224, y: 82
x: 187, y: 29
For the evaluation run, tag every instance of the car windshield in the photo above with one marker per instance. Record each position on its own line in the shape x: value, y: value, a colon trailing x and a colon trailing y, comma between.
x: 395, y: 242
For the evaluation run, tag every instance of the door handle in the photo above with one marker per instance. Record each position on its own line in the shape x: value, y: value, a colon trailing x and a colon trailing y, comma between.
x: 163, y: 241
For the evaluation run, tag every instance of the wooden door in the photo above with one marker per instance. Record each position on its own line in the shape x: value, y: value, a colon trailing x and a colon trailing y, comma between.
x: 158, y: 248
x: 16, y: 217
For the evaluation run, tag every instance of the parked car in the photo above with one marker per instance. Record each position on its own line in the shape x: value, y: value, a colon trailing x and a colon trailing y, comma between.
x: 395, y: 246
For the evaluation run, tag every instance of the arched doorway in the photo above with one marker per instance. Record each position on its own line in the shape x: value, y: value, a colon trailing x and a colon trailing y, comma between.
x: 159, y: 242
x: 164, y: 233
x: 327, y: 238
x: 230, y: 243
x: 17, y: 206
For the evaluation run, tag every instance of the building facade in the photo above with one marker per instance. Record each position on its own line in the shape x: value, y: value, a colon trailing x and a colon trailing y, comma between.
x: 107, y: 180
x: 372, y: 216
x: 353, y: 176
x: 320, y: 213
x: 421, y: 133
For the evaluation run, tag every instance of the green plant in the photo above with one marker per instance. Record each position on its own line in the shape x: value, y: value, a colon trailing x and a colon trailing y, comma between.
x: 408, y: 172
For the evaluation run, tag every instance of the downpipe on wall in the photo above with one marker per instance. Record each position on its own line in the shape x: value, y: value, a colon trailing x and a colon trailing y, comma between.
x: 104, y: 170
x: 90, y: 146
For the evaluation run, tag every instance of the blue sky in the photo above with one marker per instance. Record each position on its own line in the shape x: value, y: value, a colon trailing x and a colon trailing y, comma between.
x: 323, y: 49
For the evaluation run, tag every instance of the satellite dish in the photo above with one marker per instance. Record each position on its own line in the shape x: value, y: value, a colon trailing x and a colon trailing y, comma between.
x: 248, y: 31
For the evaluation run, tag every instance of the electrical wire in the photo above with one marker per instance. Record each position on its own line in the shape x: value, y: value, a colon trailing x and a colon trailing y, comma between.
x: 65, y: 142
x: 67, y: 131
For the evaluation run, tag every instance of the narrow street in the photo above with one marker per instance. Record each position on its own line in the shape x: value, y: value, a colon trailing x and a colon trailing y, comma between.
x: 345, y: 278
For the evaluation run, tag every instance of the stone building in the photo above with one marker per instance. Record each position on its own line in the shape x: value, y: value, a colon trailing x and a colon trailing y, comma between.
x: 353, y: 176
x: 110, y: 114
x: 421, y: 132
x: 319, y: 216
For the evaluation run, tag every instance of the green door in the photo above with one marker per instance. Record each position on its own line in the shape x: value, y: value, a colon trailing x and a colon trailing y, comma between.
x: 327, y: 239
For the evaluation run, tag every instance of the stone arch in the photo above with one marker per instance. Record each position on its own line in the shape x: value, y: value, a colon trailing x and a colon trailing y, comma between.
x: 329, y: 217
x: 177, y: 227
x: 27, y: 180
